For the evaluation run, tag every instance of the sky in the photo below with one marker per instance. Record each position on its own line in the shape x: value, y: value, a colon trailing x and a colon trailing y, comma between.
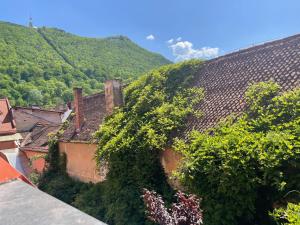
x: 178, y: 29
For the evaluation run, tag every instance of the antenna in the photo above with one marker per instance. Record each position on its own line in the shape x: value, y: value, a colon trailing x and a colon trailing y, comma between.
x: 30, y: 22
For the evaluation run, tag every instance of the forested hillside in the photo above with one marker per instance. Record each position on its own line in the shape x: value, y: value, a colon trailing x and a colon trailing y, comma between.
x: 41, y: 65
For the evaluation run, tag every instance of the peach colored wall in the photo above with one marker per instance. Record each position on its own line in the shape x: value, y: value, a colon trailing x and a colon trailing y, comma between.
x: 81, y: 163
x: 7, y: 145
x: 38, y: 162
x: 170, y: 160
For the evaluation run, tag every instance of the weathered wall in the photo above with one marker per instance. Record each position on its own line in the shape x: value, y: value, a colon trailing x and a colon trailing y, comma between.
x: 37, y: 159
x: 7, y: 145
x: 81, y: 164
x: 170, y: 160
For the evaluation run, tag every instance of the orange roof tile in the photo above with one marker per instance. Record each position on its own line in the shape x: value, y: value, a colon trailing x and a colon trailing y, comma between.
x: 7, y: 123
x: 7, y: 173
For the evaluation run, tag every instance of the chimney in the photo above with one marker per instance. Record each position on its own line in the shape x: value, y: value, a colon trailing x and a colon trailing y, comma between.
x: 78, y: 104
x: 113, y: 95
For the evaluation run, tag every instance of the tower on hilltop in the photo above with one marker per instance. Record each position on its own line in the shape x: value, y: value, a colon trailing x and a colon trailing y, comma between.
x: 30, y: 22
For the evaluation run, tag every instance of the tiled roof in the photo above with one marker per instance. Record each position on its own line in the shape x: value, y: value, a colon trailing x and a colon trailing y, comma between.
x: 38, y: 137
x: 9, y: 173
x: 226, y: 78
x: 94, y: 113
x: 40, y: 109
x: 25, y: 121
x: 7, y: 123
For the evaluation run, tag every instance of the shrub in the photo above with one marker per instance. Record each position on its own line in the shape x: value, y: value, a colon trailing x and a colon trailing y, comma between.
x: 287, y: 216
x: 245, y: 164
x: 184, y: 212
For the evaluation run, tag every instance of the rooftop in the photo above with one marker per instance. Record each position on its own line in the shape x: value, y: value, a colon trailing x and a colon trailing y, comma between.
x: 37, y: 139
x: 7, y: 123
x: 23, y: 204
x: 9, y: 173
x: 226, y: 78
x: 94, y: 113
x: 27, y: 118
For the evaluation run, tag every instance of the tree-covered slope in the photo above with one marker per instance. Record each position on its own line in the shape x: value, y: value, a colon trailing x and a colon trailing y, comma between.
x: 40, y: 66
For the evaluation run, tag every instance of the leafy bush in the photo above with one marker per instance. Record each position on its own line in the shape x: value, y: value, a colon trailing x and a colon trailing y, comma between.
x: 186, y: 211
x: 287, y: 216
x: 90, y: 200
x: 244, y: 165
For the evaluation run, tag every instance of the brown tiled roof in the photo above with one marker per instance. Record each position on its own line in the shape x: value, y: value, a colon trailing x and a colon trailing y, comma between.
x: 7, y: 123
x: 26, y: 121
x: 38, y: 137
x: 40, y: 109
x: 94, y: 113
x: 226, y: 78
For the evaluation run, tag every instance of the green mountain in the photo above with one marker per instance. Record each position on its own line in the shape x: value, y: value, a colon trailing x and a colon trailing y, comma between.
x: 39, y: 66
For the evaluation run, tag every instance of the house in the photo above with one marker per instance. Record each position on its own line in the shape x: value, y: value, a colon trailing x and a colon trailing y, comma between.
x: 10, y: 139
x: 77, y: 141
x: 226, y: 78
x: 35, y: 125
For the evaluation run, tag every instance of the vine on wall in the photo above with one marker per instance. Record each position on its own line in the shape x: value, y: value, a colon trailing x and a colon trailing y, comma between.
x: 132, y: 138
x: 246, y: 165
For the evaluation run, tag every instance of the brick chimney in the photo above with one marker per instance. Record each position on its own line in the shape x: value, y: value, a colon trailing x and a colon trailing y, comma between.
x: 78, y: 104
x: 113, y: 95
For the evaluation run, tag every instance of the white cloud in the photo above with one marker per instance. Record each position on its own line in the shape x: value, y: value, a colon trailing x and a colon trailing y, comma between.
x: 183, y: 50
x: 179, y: 39
x: 170, y: 41
x: 150, y: 37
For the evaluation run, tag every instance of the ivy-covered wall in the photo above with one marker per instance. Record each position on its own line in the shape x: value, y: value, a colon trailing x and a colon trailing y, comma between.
x: 131, y: 140
x: 241, y: 169
x: 247, y: 165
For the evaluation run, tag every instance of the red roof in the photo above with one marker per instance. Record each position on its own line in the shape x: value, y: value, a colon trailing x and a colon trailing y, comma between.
x: 8, y: 173
x: 7, y: 123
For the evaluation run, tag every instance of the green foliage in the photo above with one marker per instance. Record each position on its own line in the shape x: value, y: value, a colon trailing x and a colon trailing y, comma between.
x: 287, y: 216
x: 247, y: 163
x: 61, y: 186
x: 155, y: 105
x: 90, y: 200
x: 130, y: 140
x: 40, y: 66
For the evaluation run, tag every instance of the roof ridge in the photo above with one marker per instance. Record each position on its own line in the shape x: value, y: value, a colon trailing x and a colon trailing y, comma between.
x: 50, y: 122
x: 39, y: 109
x: 260, y: 46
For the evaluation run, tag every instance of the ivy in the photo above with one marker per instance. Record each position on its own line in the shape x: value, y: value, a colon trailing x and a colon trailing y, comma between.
x: 287, y: 216
x: 131, y: 139
x: 246, y: 164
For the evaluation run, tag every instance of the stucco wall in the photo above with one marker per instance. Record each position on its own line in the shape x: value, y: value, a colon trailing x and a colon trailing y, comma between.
x: 81, y: 164
x: 170, y: 160
x: 37, y: 159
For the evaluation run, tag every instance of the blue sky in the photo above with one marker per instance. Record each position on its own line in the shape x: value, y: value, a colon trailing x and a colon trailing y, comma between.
x: 199, y: 28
